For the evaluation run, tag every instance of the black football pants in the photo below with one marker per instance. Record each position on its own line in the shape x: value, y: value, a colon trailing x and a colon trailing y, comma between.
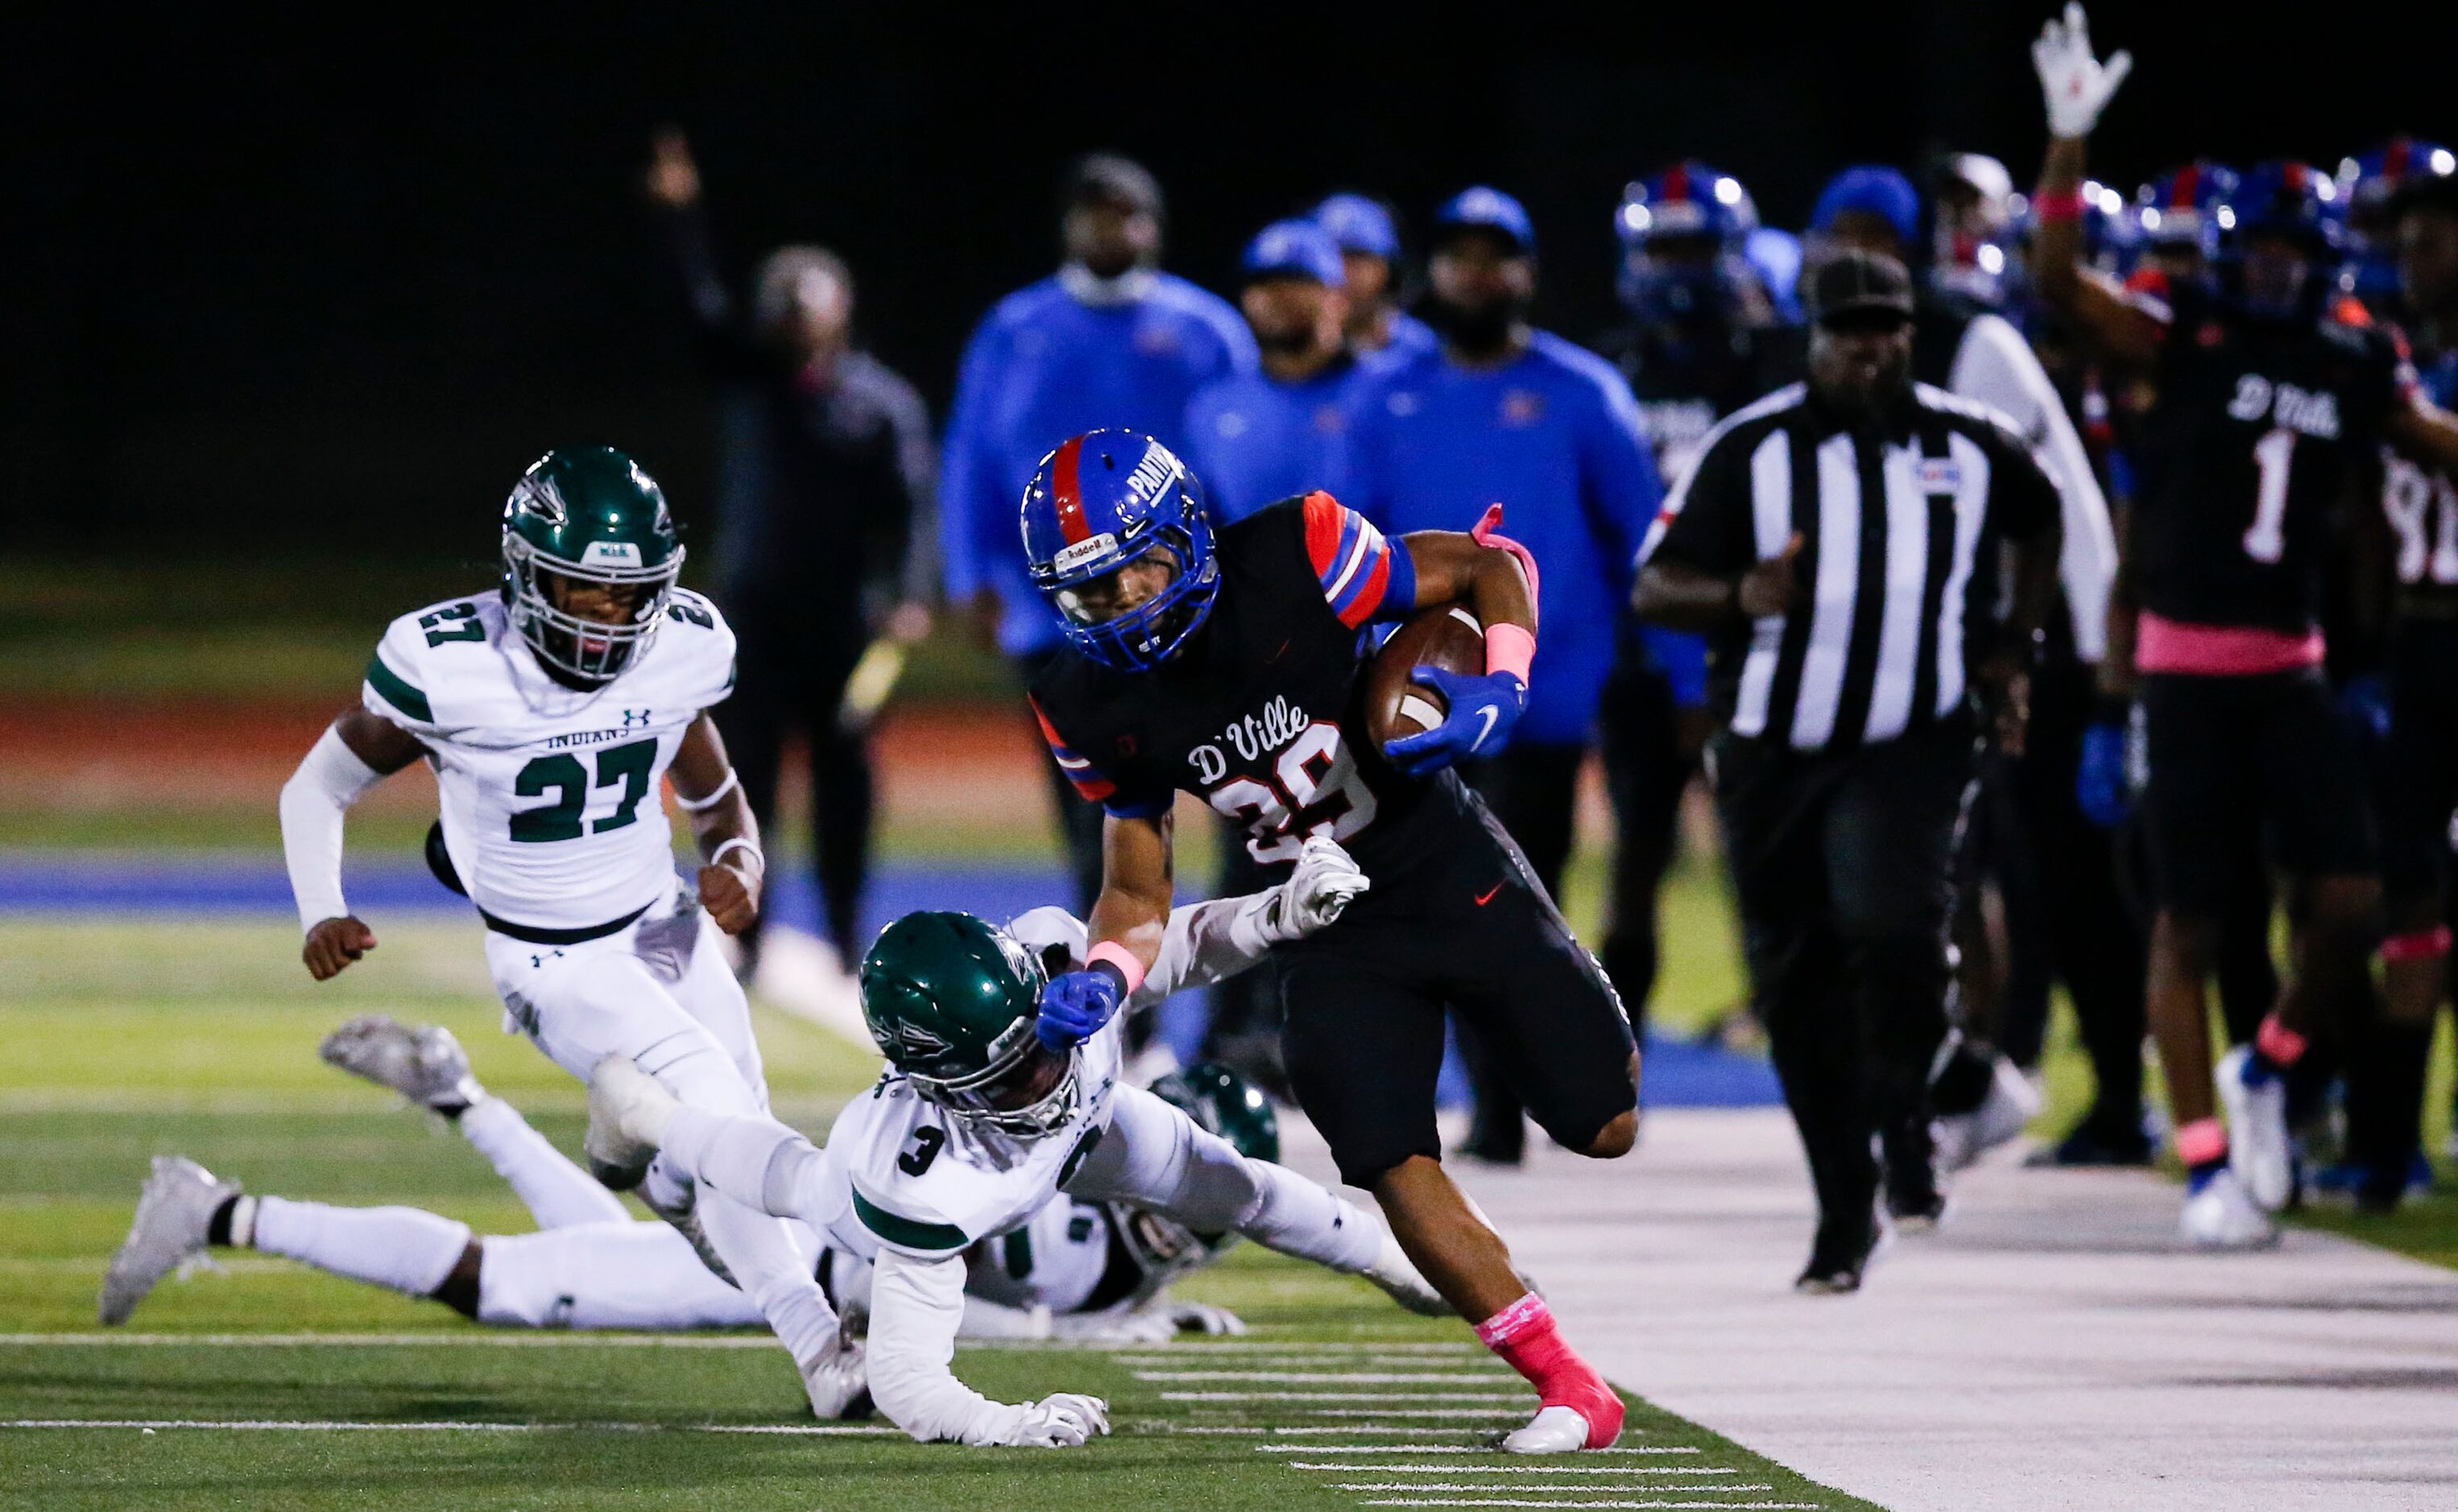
x: 1843, y: 866
x: 1534, y: 791
x: 1079, y: 822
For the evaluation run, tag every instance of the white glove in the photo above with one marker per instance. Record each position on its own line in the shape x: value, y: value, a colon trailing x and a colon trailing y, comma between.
x: 2076, y: 84
x: 1203, y: 1318
x: 1063, y: 1421
x: 1327, y: 878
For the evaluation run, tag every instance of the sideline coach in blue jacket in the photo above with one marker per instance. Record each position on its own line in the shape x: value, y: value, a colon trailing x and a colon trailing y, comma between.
x: 1107, y: 340
x: 1505, y: 413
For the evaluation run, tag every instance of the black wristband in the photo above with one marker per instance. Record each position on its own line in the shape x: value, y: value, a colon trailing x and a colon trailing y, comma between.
x: 1110, y: 968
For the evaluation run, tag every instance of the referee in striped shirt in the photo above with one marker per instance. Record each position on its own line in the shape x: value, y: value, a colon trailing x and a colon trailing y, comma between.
x: 1870, y: 559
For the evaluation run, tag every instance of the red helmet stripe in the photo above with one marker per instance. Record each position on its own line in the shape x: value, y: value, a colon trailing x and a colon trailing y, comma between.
x: 1677, y: 182
x: 1064, y: 491
x: 2188, y: 179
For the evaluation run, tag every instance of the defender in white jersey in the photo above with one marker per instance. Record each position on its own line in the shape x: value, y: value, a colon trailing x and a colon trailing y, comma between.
x: 550, y: 711
x: 1082, y: 1270
x: 977, y: 1126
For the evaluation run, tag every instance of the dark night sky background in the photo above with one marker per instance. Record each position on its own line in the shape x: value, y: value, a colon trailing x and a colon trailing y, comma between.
x: 335, y: 281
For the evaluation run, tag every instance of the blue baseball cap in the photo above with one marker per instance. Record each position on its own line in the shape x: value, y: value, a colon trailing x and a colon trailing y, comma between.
x: 1485, y: 209
x: 1873, y: 187
x: 1358, y: 224
x: 1298, y: 249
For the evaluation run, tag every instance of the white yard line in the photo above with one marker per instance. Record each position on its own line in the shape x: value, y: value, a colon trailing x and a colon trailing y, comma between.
x: 1325, y: 1376
x: 497, y: 1339
x: 1351, y: 1467
x: 1454, y: 1396
x: 1574, y: 1486
x: 288, y: 1425
x: 1369, y: 1448
x: 1764, y: 1506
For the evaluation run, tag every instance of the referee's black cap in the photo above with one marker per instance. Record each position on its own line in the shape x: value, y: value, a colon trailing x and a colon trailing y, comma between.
x: 1853, y: 281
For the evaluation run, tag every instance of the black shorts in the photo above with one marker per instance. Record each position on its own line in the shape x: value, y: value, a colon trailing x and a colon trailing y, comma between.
x: 1468, y: 929
x: 2240, y: 762
x: 2419, y: 777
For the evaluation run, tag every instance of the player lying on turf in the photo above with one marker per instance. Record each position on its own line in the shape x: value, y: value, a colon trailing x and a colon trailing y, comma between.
x: 1083, y: 1270
x: 976, y: 1126
x: 550, y: 709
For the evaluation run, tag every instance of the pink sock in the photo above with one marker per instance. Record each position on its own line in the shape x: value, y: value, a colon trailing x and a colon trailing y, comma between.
x: 1523, y: 1335
x: 2202, y: 1142
x: 2281, y: 1046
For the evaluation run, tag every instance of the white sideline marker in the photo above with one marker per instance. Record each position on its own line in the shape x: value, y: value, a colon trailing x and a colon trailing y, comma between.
x: 1351, y: 1467
x: 1444, y: 1501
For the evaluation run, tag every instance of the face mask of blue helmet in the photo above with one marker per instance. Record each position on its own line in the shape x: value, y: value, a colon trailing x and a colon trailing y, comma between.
x: 1106, y: 501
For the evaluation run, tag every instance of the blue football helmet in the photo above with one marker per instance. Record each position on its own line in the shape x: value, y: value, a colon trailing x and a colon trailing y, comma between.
x: 2296, y: 203
x: 1688, y: 201
x: 1100, y: 501
x: 2186, y: 208
x: 2367, y: 183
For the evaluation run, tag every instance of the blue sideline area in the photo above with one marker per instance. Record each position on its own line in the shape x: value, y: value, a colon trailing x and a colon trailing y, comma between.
x: 1680, y: 1074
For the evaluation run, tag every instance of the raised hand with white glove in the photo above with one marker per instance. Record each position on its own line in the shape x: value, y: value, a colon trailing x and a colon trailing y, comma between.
x: 1061, y: 1421
x: 2075, y: 84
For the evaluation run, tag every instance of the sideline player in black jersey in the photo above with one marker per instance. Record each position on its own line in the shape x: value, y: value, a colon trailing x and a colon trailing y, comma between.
x: 2267, y: 398
x: 2419, y: 774
x: 1232, y: 667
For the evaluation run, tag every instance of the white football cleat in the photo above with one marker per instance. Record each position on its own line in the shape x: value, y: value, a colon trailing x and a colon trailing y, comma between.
x: 2003, y: 1114
x: 173, y: 1213
x: 2220, y: 1214
x: 2257, y: 1116
x: 628, y: 1114
x: 426, y: 1064
x: 1554, y: 1430
x: 838, y: 1382
x: 1400, y: 1280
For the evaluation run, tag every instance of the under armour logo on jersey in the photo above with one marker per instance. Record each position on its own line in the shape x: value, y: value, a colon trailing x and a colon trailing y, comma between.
x: 635, y: 717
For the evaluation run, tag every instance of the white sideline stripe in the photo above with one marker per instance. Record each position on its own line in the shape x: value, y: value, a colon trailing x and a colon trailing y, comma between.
x: 1474, y: 1414
x: 287, y: 1425
x: 1373, y: 1448
x: 1328, y: 1362
x: 1345, y: 1396
x: 1255, y: 1346
x: 1328, y: 1376
x: 405, y: 1340
x: 1347, y: 1427
x: 1574, y: 1485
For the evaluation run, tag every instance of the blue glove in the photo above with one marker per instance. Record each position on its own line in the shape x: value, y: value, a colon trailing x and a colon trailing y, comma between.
x: 2364, y: 704
x: 2100, y: 784
x: 1483, y: 709
x: 1074, y: 1007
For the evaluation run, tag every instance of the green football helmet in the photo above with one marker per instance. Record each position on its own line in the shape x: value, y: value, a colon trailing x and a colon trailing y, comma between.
x: 951, y: 1001
x: 1220, y: 1102
x: 587, y: 514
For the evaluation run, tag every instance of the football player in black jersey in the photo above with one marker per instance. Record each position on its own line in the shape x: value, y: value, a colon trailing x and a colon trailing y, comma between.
x: 1232, y: 667
x: 2269, y: 393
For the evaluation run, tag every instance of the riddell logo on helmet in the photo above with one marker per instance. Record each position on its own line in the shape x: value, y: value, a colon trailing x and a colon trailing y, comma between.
x: 1090, y: 548
x: 611, y: 553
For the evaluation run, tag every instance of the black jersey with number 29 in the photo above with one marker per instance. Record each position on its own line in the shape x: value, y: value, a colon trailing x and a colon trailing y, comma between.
x: 2247, y: 455
x: 1260, y: 713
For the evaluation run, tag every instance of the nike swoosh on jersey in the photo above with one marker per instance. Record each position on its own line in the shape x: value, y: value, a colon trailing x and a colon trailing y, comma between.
x: 1486, y: 897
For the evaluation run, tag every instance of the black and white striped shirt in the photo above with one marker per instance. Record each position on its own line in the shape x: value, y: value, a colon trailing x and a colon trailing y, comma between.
x: 1900, y: 526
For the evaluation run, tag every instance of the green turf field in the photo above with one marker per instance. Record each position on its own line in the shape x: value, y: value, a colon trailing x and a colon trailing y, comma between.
x: 128, y: 1038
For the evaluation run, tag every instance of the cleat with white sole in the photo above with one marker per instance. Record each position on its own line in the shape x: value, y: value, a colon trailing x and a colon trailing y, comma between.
x: 1554, y: 1430
x: 628, y: 1114
x: 2257, y: 1116
x: 1963, y: 1138
x: 1400, y: 1280
x: 426, y: 1064
x: 175, y: 1209
x: 2220, y: 1214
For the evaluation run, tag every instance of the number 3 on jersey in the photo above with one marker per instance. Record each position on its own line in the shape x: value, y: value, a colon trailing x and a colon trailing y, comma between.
x: 1315, y: 790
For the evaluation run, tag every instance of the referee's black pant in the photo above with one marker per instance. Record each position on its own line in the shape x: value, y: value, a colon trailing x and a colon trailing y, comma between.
x: 790, y: 675
x: 1843, y: 865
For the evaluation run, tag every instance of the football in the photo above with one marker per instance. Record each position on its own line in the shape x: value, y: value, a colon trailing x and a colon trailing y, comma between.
x: 1447, y: 637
